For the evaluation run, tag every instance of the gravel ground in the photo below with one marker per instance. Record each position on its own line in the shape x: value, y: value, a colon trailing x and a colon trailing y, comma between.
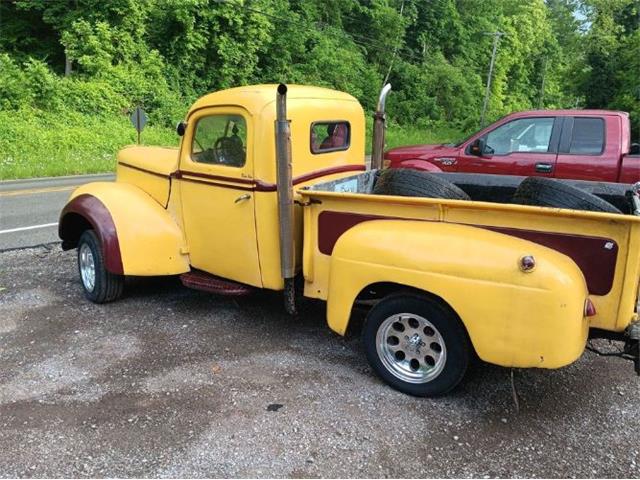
x: 170, y: 382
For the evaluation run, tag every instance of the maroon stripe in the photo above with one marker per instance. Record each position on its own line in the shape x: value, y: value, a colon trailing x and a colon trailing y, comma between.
x: 134, y: 167
x: 223, y: 185
x: 261, y: 186
x: 327, y: 171
x: 94, y: 211
x: 591, y: 254
x: 245, y: 181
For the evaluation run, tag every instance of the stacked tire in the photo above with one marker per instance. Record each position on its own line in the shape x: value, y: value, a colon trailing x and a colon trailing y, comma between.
x: 405, y: 182
x: 548, y: 192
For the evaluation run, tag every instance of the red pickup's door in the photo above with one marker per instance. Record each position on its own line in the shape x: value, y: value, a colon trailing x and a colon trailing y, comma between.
x: 524, y: 146
x: 590, y: 148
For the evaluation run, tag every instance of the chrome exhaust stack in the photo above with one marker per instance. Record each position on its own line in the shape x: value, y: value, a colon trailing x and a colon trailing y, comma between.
x: 379, y: 120
x: 285, y: 199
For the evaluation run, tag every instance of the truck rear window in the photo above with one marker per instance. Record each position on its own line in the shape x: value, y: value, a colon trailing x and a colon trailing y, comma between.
x: 588, y: 136
x: 330, y: 136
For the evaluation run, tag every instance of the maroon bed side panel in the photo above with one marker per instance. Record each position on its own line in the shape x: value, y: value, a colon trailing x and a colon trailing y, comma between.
x: 595, y: 256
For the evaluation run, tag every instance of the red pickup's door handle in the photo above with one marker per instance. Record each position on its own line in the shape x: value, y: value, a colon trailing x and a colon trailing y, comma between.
x: 544, y: 167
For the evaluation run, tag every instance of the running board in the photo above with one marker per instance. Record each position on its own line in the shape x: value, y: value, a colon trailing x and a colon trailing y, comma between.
x: 210, y: 283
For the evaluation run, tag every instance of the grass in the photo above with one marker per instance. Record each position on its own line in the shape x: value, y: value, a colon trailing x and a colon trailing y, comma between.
x: 399, y: 135
x: 43, y: 144
x: 34, y: 143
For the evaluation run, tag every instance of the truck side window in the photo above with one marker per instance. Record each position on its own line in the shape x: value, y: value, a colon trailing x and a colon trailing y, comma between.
x: 330, y: 136
x: 531, y: 135
x: 588, y: 136
x: 220, y: 140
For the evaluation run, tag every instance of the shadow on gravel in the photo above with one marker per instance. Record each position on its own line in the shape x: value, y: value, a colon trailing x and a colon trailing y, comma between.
x: 485, y: 390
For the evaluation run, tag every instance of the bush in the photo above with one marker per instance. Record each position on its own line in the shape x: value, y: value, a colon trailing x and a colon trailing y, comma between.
x: 96, y: 97
x: 13, y: 91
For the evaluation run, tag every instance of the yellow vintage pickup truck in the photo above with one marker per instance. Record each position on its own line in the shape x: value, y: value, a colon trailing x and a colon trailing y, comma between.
x: 269, y: 190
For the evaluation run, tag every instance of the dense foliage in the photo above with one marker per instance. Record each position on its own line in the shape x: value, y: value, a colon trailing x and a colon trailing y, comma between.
x: 100, y: 58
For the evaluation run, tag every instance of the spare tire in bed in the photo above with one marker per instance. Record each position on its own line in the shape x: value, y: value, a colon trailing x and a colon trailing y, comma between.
x: 548, y: 192
x: 405, y: 182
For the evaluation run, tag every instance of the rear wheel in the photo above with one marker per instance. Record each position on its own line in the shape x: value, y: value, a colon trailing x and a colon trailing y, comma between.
x: 100, y: 286
x: 416, y: 345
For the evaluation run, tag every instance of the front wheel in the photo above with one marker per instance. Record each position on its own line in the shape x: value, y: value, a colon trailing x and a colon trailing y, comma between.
x: 100, y: 286
x: 416, y: 344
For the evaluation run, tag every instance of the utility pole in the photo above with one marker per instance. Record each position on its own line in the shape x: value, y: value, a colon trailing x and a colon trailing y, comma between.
x: 496, y: 39
x: 544, y: 74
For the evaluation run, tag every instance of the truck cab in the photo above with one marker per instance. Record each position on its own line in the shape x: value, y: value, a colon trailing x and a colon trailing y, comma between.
x: 571, y: 144
x: 215, y: 198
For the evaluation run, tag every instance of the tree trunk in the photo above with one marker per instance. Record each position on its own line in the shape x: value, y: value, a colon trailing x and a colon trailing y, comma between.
x: 67, y: 65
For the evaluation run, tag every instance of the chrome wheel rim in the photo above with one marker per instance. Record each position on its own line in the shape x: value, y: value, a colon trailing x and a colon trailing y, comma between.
x: 87, y: 267
x: 411, y: 348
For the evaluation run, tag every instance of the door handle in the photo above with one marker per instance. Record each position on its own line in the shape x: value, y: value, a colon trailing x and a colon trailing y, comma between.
x: 544, y: 167
x: 242, y: 198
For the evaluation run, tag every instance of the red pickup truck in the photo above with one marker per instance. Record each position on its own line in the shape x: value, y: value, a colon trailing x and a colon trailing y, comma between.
x: 573, y: 144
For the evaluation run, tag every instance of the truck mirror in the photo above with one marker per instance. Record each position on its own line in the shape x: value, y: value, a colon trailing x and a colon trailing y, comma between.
x: 635, y: 149
x: 181, y: 128
x: 478, y: 147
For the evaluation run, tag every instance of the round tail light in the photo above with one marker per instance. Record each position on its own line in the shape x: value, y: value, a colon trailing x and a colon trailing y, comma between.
x: 589, y: 308
x: 527, y: 263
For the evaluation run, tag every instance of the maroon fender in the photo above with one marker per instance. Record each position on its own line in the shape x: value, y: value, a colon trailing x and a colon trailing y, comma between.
x: 86, y: 211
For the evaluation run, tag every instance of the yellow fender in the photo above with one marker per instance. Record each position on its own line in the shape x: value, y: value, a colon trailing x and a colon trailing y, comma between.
x: 137, y: 235
x: 513, y: 318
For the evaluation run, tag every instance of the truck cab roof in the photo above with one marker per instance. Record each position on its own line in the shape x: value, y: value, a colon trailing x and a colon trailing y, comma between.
x: 574, y: 112
x: 254, y: 98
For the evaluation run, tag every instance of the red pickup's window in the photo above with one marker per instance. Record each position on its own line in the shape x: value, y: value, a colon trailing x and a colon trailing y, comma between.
x: 531, y: 135
x: 588, y: 136
x: 330, y: 136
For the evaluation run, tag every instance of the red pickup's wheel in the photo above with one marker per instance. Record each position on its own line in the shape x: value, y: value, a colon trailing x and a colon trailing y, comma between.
x: 100, y: 286
x: 416, y: 344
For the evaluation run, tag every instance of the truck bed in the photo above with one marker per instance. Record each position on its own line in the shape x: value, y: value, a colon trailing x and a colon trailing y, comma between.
x: 604, y: 246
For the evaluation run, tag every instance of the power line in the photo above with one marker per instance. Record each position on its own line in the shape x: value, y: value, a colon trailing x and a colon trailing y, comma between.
x: 357, y: 38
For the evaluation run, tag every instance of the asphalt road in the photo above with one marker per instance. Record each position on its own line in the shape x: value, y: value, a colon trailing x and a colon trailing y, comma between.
x: 170, y: 382
x: 29, y: 209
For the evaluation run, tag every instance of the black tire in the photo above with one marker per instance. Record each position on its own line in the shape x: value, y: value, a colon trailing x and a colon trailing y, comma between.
x: 549, y: 192
x: 406, y: 182
x: 107, y: 286
x: 455, y: 352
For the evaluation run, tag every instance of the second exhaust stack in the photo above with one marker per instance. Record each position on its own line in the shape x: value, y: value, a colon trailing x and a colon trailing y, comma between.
x: 379, y: 119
